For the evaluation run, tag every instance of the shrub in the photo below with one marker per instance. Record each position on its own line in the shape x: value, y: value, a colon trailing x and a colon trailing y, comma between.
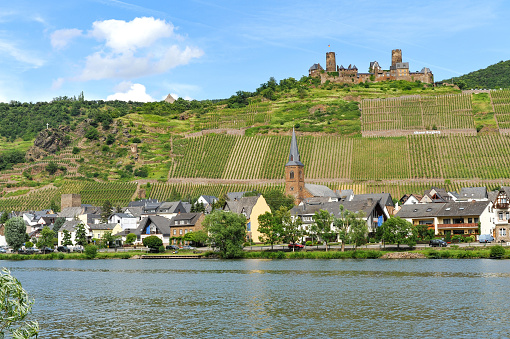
x: 161, y: 249
x: 76, y: 150
x: 91, y: 251
x: 152, y: 242
x: 136, y: 140
x: 105, y: 148
x: 92, y: 134
x: 308, y: 243
x: 29, y: 244
x: 497, y: 252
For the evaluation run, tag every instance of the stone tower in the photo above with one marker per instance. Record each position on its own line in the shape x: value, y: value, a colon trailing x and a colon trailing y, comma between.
x: 396, y: 56
x: 70, y: 200
x: 294, y: 173
x: 330, y: 62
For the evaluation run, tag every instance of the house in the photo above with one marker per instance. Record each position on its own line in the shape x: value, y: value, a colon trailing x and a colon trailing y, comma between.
x: 171, y: 209
x: 185, y: 223
x: 501, y: 214
x: 70, y: 213
x: 451, y: 218
x: 385, y: 199
x: 126, y: 221
x: 98, y: 230
x: 374, y: 212
x: 438, y: 195
x: 70, y: 226
x: 473, y: 194
x: 207, y: 200
x: 410, y: 199
x: 251, y: 207
x: 153, y: 225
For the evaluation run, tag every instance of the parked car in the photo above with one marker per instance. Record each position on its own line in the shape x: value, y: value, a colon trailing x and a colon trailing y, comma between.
x: 3, y: 250
x: 172, y: 247
x: 187, y: 247
x: 485, y: 238
x: 46, y: 250
x: 35, y: 250
x: 296, y: 245
x: 78, y: 248
x: 63, y: 249
x: 438, y: 243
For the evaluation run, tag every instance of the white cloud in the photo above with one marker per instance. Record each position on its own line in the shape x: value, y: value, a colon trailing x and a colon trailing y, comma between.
x: 62, y: 37
x: 124, y: 86
x: 134, y: 49
x: 122, y: 36
x: 135, y: 93
x: 26, y: 57
x: 57, y: 83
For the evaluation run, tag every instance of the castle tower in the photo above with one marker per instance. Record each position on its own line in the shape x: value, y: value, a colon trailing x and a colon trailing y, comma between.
x: 396, y: 56
x: 330, y: 62
x: 70, y: 200
x: 294, y: 173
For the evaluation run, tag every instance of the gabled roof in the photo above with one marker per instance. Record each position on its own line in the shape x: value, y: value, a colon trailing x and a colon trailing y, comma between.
x: 102, y: 226
x: 161, y: 223
x: 122, y: 215
x: 294, y: 152
x: 315, y: 67
x: 142, y: 202
x: 449, y: 209
x: 70, y: 212
x: 385, y: 198
x: 136, y: 211
x: 235, y: 195
x: 473, y: 193
x: 334, y: 207
x: 210, y: 199
x: 243, y: 205
x: 70, y: 225
x: 190, y: 218
x: 320, y: 191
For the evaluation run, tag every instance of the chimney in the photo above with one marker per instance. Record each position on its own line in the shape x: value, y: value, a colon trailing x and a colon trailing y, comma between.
x: 370, y: 201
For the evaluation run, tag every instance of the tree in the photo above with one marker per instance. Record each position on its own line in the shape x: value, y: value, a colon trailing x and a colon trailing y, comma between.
x: 54, y: 207
x: 271, y: 228
x: 66, y: 240
x: 51, y: 168
x: 58, y: 224
x: 106, y: 211
x: 15, y: 231
x: 342, y: 225
x: 276, y: 199
x: 358, y: 228
x: 227, y: 231
x: 398, y: 231
x: 15, y: 306
x: 80, y: 237
x: 109, y: 239
x: 323, y: 220
x: 198, y: 207
x: 152, y: 241
x: 130, y: 238
x: 4, y: 217
x: 199, y: 237
x: 90, y: 251
x: 292, y: 230
x: 92, y: 134
x: 46, y: 239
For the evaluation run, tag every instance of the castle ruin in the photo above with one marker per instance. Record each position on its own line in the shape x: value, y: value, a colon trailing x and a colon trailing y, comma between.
x: 398, y: 71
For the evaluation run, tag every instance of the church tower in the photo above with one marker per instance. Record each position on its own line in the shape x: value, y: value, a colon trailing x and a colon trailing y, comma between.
x: 294, y: 173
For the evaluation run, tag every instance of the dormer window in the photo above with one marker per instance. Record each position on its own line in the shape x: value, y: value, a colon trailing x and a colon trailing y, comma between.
x: 291, y: 175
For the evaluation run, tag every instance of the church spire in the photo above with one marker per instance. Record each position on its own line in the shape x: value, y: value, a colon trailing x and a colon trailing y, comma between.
x: 294, y: 152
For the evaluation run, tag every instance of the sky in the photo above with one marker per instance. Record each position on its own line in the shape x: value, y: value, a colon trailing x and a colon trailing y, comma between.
x: 204, y: 49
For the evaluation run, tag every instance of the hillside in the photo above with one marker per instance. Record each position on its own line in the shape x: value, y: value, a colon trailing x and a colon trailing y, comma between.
x: 210, y: 147
x: 493, y: 77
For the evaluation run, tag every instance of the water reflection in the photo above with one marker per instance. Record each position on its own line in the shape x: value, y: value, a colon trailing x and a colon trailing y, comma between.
x: 264, y: 298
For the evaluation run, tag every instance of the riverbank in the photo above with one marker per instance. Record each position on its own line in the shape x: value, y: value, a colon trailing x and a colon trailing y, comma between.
x: 443, y: 253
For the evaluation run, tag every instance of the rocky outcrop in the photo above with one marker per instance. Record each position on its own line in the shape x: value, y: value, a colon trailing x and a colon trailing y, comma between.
x: 49, y: 141
x: 403, y: 255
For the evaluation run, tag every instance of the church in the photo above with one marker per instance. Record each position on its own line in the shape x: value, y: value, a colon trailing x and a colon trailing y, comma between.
x: 295, y: 179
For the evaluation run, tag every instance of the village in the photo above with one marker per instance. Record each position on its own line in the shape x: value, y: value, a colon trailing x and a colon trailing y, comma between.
x: 471, y: 215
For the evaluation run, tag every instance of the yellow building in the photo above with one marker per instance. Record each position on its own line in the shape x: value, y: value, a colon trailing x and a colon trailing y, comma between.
x: 251, y: 208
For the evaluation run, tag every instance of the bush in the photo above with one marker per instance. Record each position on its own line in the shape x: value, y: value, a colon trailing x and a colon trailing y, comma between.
x: 105, y: 148
x: 92, y: 134
x: 29, y: 244
x: 152, y: 242
x: 308, y: 243
x: 161, y: 249
x: 91, y: 251
x: 497, y: 252
x: 136, y: 140
x: 76, y: 150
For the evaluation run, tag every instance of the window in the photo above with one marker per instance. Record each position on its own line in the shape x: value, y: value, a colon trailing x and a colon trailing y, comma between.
x: 476, y: 220
x: 425, y: 222
x: 500, y: 215
x: 470, y: 220
x: 502, y: 232
x: 507, y: 215
x: 185, y: 231
x: 180, y: 231
x: 447, y: 221
x: 291, y: 175
x: 175, y: 232
x: 458, y: 220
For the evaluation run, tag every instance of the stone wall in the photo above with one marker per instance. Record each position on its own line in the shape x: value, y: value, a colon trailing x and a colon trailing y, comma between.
x: 401, y: 132
x: 70, y: 200
x: 228, y: 131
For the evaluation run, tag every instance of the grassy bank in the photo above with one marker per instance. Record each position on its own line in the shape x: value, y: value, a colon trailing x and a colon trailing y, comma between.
x: 69, y: 256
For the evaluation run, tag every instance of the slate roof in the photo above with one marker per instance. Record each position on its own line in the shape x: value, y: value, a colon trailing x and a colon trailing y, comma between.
x: 385, y: 198
x: 190, y: 218
x: 294, y: 152
x: 123, y: 215
x: 314, y: 67
x: 70, y: 212
x: 136, y: 211
x: 209, y: 198
x: 320, y: 191
x: 70, y: 225
x: 161, y: 223
x: 244, y: 204
x: 334, y: 207
x: 473, y: 193
x: 235, y: 195
x: 492, y: 195
x: 102, y: 226
x: 142, y: 202
x: 449, y: 209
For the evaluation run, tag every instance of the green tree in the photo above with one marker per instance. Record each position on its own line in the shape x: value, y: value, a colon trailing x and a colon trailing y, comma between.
x: 4, y: 217
x: 46, y: 239
x: 398, y: 231
x: 15, y: 231
x: 276, y: 199
x: 323, y: 220
x: 109, y: 239
x: 91, y: 251
x: 358, y: 228
x: 92, y: 134
x: 152, y: 241
x: 106, y: 211
x: 199, y: 237
x: 15, y: 306
x: 66, y: 240
x: 270, y: 228
x: 130, y: 238
x: 51, y: 168
x: 227, y: 231
x: 292, y: 230
x: 342, y: 224
x: 58, y: 224
x: 80, y: 237
x: 54, y: 206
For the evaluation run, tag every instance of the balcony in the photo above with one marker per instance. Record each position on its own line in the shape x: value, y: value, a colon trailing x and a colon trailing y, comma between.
x: 457, y: 226
x: 501, y: 206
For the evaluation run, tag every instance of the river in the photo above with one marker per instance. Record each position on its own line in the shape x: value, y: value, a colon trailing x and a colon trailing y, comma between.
x: 268, y: 298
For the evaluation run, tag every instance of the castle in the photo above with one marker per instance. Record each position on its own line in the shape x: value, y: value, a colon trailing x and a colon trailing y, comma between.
x: 398, y: 71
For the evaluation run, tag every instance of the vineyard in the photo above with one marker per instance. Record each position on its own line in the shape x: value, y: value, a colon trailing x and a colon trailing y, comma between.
x: 94, y: 193
x: 235, y: 117
x: 501, y: 102
x: 416, y: 113
x: 412, y: 157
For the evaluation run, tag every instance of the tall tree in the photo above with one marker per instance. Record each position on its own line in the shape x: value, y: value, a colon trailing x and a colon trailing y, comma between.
x: 80, y: 237
x: 342, y: 226
x: 46, y: 239
x: 227, y: 231
x: 323, y: 220
x: 271, y: 228
x: 276, y: 199
x: 58, y: 224
x: 4, y: 218
x: 106, y: 211
x: 15, y: 232
x: 398, y: 231
x: 66, y: 240
x: 292, y: 230
x: 358, y: 228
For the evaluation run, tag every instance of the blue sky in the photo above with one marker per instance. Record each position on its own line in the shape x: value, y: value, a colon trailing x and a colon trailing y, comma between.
x: 203, y: 49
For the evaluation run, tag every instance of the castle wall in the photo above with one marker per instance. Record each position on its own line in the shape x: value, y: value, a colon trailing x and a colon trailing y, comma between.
x: 70, y: 200
x: 396, y: 56
x: 330, y: 62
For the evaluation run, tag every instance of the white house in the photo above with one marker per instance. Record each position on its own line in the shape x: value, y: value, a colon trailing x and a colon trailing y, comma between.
x: 126, y: 221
